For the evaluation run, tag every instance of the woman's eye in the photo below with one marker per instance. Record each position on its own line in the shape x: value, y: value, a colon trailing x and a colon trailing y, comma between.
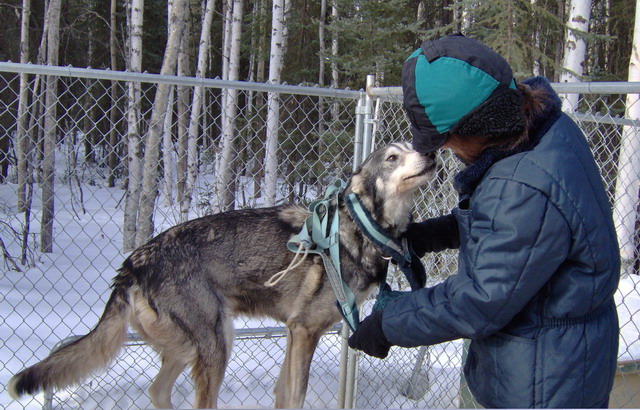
x: 392, y: 158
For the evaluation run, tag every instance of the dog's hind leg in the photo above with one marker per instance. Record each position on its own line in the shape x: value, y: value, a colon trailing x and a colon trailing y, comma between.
x: 160, y: 389
x: 291, y: 387
x: 212, y: 355
x: 208, y: 373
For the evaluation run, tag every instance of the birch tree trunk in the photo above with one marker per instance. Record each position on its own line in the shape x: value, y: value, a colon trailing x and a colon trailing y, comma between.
x: 322, y: 56
x: 169, y: 159
x: 575, y: 49
x: 335, y: 74
x: 257, y: 169
x: 113, y: 112
x: 167, y: 151
x: 134, y: 153
x: 273, y: 101
x: 177, y: 22
x: 627, y: 184
x: 196, y: 106
x: 24, y: 142
x: 184, y: 101
x: 225, y: 190
x: 50, y: 125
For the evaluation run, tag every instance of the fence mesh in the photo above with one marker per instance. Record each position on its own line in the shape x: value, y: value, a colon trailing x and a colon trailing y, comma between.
x: 48, y: 297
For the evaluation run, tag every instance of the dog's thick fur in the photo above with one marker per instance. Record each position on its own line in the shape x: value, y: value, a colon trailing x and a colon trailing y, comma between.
x: 182, y: 289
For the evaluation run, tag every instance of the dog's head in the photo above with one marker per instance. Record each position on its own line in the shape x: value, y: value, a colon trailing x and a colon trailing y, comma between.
x: 386, y: 181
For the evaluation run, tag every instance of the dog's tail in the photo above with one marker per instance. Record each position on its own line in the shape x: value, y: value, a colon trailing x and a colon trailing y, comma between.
x: 72, y: 363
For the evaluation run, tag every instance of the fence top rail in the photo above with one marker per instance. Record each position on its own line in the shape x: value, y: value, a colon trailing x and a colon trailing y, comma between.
x: 394, y: 94
x: 74, y: 72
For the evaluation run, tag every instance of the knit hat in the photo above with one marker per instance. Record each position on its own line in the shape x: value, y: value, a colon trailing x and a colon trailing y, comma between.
x: 457, y: 84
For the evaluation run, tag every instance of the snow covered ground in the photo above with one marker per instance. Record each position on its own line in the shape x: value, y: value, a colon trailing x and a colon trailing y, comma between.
x: 64, y: 294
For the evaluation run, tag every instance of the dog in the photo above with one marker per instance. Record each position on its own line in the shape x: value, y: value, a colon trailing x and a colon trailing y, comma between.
x: 182, y: 289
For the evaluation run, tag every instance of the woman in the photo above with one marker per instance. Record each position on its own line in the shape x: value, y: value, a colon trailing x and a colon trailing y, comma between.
x: 538, y: 257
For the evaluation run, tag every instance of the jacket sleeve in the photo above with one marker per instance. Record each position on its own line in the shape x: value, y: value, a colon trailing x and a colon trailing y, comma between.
x: 434, y: 235
x: 512, y: 245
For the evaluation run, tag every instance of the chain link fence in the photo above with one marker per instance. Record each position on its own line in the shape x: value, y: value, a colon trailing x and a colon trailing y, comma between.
x: 48, y: 298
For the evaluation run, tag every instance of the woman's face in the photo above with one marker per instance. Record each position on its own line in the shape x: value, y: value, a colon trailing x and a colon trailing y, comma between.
x: 467, y: 149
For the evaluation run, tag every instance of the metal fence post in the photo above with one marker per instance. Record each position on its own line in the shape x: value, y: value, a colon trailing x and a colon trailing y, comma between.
x: 357, y: 139
x: 367, y: 143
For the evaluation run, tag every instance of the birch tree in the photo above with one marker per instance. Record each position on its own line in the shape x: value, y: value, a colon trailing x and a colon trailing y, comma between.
x: 276, y: 56
x: 177, y: 22
x: 25, y: 147
x: 575, y: 49
x: 183, y: 97
x: 196, y: 109
x: 322, y: 56
x: 335, y: 49
x: 50, y: 125
x: 183, y: 104
x: 113, y: 92
x: 24, y: 143
x: 225, y: 191
x: 627, y: 183
x: 167, y: 151
x: 134, y: 153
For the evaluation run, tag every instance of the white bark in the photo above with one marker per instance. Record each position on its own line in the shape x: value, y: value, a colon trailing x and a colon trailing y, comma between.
x: 149, y: 192
x: 322, y: 56
x: 50, y: 125
x: 134, y: 153
x: 167, y: 152
x: 273, y: 100
x: 183, y: 104
x: 23, y: 146
x: 575, y: 49
x: 335, y: 74
x: 225, y: 190
x: 627, y: 182
x: 196, y: 109
x: 113, y: 112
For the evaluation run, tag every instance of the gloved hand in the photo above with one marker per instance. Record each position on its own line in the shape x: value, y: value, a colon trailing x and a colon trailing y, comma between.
x: 370, y: 338
x: 434, y: 235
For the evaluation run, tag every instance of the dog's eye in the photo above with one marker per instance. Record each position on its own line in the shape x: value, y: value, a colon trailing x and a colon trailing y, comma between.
x: 392, y: 158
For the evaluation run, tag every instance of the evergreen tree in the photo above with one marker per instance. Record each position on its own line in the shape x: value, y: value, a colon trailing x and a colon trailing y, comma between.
x: 376, y: 36
x: 510, y: 27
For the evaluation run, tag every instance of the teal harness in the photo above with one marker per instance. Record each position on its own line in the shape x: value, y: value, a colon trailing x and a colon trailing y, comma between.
x: 320, y: 235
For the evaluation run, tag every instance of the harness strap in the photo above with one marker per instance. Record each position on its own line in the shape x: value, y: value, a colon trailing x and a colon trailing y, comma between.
x: 320, y: 235
x: 400, y: 251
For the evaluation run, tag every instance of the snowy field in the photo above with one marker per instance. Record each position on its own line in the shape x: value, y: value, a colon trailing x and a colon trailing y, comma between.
x: 64, y: 294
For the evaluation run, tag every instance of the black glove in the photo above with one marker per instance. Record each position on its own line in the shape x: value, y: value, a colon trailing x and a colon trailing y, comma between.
x: 434, y: 235
x: 369, y: 337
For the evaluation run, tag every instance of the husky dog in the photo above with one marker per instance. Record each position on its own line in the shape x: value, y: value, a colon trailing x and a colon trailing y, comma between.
x: 182, y: 289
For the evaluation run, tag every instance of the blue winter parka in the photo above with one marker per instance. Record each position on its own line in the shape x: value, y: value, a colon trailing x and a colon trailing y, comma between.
x: 538, y: 266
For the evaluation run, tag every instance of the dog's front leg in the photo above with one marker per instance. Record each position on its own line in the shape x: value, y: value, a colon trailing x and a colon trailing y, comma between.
x: 291, y: 386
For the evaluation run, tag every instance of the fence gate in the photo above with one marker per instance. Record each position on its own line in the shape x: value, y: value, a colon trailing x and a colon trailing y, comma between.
x: 49, y: 298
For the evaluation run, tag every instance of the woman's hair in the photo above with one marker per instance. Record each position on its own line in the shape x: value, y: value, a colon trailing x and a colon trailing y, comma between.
x: 468, y: 148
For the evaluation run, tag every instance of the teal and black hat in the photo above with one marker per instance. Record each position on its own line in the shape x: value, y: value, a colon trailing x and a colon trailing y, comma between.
x: 458, y: 85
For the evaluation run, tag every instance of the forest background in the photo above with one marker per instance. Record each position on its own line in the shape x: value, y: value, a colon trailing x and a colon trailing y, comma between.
x: 358, y: 37
x: 330, y: 43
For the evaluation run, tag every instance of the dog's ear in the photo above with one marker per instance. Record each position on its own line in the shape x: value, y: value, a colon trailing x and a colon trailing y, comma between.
x: 356, y: 185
